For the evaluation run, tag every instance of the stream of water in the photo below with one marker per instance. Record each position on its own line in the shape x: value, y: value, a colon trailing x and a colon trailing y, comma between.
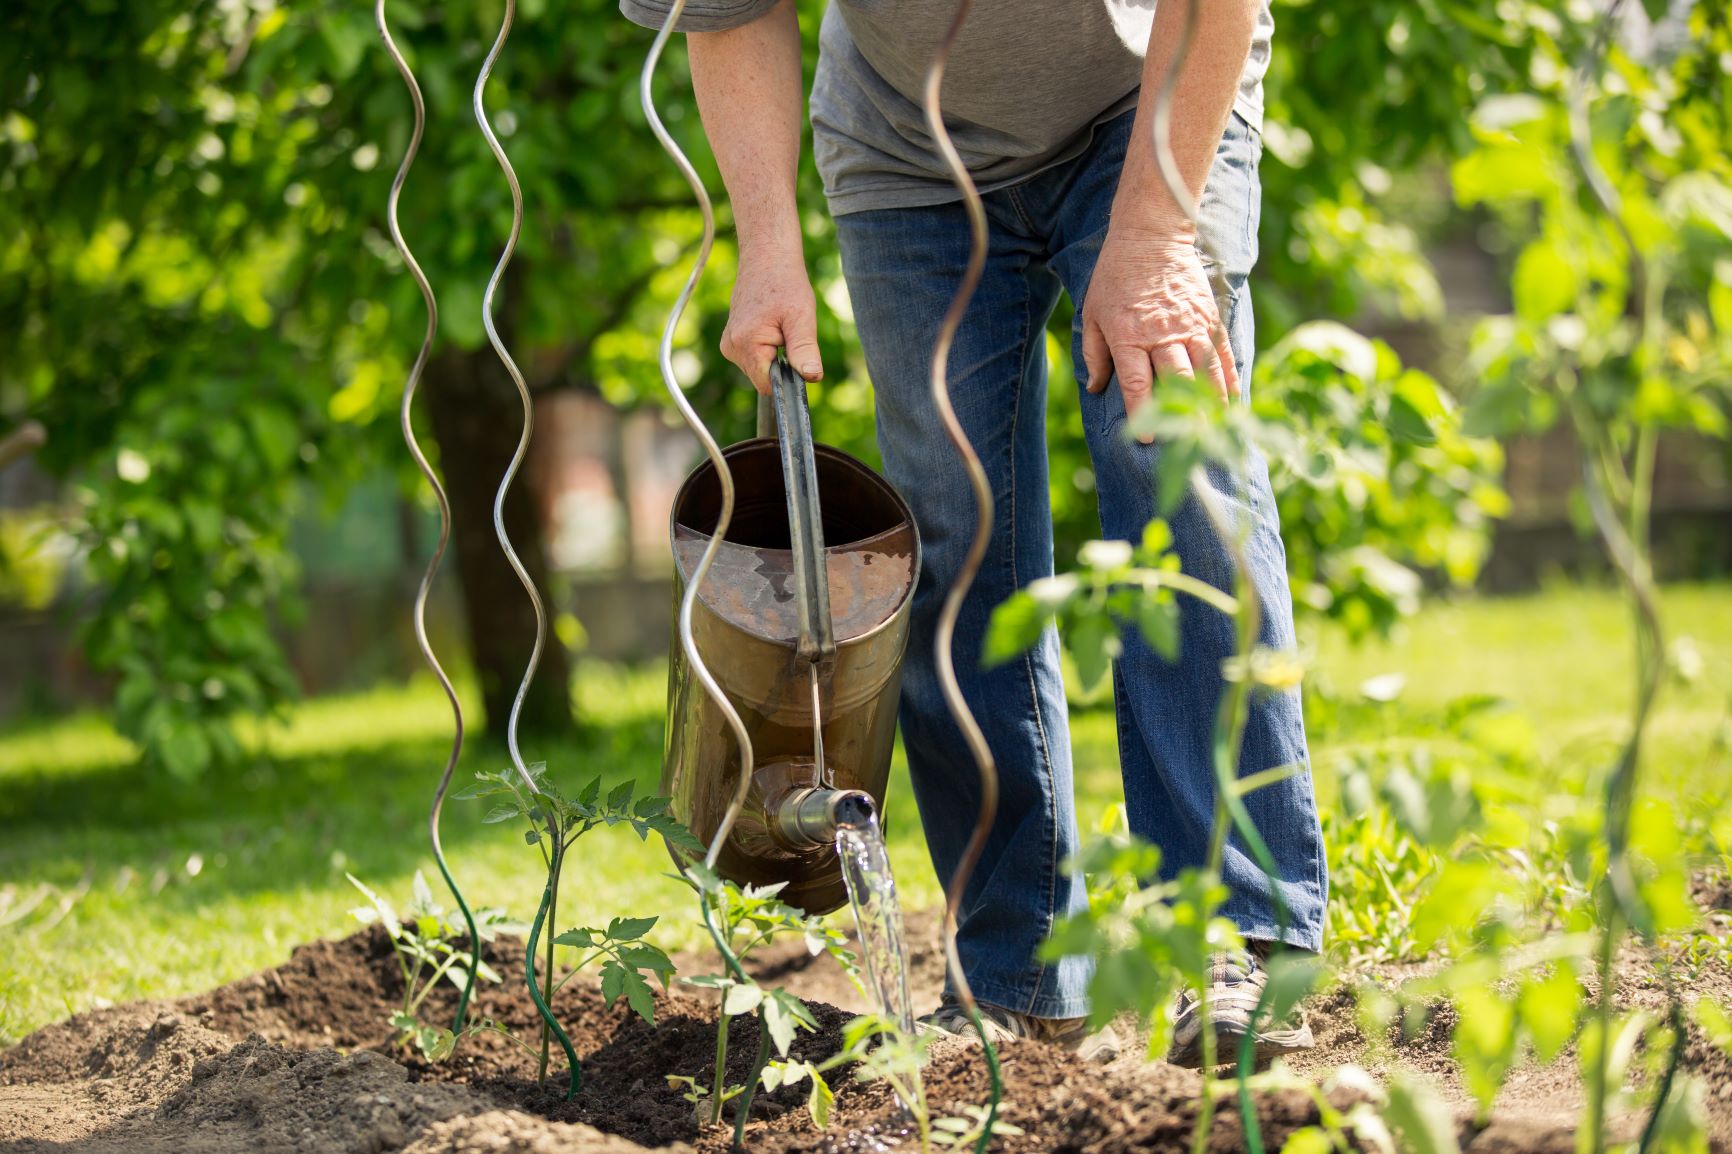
x: 872, y: 892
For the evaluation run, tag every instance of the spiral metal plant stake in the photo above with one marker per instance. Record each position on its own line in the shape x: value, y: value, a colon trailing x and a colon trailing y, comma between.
x: 556, y: 847
x: 724, y: 518
x: 945, y: 640
x: 439, y: 497
x: 1626, y: 545
x: 1230, y: 722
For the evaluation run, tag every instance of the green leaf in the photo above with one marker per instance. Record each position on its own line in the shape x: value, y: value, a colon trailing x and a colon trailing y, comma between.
x: 1496, y: 410
x: 707, y: 981
x: 639, y: 996
x: 1456, y: 900
x: 1292, y: 975
x: 1407, y: 423
x: 1420, y: 1118
x: 1500, y: 173
x: 779, y: 1024
x: 1544, y: 283
x: 1015, y: 627
x: 1716, y: 1023
x: 1485, y: 1040
x: 676, y: 835
x: 1309, y: 1140
x: 1157, y: 539
x: 486, y: 787
x: 643, y: 956
x: 648, y: 807
x: 436, y: 1043
x: 783, y: 1014
x: 1173, y: 474
x: 613, y: 977
x: 382, y: 908
x: 1158, y: 622
x: 820, y: 1102
x: 1093, y: 644
x: 1548, y: 1011
x: 629, y: 929
x: 741, y: 998
x: 582, y: 938
x: 347, y: 42
x: 704, y: 878
x: 501, y: 813
x: 184, y: 749
x: 619, y: 798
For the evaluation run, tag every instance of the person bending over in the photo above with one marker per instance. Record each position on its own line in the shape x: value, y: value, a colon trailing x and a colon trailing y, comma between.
x: 1049, y: 104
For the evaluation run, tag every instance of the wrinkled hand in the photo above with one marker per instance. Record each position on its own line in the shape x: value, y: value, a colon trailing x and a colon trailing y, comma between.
x: 1149, y: 314
x: 772, y: 307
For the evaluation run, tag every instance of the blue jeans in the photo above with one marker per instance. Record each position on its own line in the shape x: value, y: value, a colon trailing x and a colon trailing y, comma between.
x: 902, y: 266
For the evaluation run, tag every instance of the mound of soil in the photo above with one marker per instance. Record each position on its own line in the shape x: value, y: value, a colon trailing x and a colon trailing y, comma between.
x: 298, y: 1059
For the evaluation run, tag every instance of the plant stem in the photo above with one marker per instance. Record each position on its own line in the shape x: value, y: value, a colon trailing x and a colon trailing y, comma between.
x: 1206, y: 1106
x: 547, y: 985
x: 1230, y: 725
x: 409, y: 981
x: 541, y: 1004
x: 1599, y: 1088
x: 1201, y: 590
x: 720, y: 1078
x: 432, y: 983
x: 923, y: 1114
x: 743, y: 1111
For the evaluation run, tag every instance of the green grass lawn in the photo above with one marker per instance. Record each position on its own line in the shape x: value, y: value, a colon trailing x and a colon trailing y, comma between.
x: 117, y: 885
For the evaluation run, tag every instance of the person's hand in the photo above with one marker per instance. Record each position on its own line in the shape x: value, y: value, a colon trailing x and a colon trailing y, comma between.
x: 772, y: 307
x: 1149, y: 314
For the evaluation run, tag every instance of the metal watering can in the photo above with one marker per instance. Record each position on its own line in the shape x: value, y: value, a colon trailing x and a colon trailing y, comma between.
x: 803, y: 620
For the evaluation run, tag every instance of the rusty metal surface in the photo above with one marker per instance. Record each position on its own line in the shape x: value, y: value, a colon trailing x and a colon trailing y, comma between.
x: 753, y: 589
x: 871, y: 559
x: 745, y: 621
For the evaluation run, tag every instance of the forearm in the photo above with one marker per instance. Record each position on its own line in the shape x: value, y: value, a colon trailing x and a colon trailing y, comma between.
x: 1202, y: 100
x: 747, y: 81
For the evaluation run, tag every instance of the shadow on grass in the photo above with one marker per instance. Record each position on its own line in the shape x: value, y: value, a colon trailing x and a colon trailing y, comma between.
x: 279, y: 822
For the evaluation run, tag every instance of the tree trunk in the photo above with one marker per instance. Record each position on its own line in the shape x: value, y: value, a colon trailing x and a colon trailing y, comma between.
x: 477, y: 419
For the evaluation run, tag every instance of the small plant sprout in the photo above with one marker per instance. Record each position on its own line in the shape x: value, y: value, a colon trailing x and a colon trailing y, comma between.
x: 744, y: 919
x: 423, y: 942
x: 552, y: 823
x: 976, y: 1123
x: 625, y: 958
x: 880, y: 1050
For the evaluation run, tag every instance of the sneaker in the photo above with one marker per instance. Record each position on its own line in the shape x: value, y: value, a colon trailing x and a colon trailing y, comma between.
x: 1236, y: 982
x: 1003, y: 1026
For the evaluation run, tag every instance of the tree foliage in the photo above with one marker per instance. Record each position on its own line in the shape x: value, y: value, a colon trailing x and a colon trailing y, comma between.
x: 194, y: 273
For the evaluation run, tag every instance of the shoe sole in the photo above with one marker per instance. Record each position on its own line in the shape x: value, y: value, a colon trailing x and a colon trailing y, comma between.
x: 1265, y: 1047
x: 1102, y: 1052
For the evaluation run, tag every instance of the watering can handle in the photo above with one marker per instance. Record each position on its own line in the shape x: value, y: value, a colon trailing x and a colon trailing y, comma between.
x: 791, y: 425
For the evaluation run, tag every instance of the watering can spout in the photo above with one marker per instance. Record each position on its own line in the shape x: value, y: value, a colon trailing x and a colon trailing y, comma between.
x: 808, y: 818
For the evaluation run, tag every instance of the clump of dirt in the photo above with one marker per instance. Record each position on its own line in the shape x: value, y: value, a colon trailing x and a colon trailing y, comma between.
x: 83, y: 1075
x: 299, y: 1059
x: 251, y: 1066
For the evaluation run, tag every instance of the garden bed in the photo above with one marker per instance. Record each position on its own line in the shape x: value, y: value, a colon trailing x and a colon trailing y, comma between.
x: 296, y: 1058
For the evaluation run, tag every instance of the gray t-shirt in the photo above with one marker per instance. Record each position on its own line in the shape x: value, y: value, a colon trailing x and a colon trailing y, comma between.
x: 1024, y: 89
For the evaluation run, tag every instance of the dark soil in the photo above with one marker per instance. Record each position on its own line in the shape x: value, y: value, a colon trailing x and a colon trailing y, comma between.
x: 297, y: 1059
